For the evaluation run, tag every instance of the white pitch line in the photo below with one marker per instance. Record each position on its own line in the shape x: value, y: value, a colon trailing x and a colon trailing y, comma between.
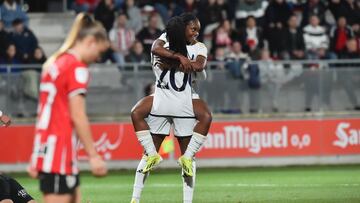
x: 164, y: 185
x: 232, y: 185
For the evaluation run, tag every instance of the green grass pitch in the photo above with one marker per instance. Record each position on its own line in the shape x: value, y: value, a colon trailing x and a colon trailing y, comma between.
x: 323, y: 184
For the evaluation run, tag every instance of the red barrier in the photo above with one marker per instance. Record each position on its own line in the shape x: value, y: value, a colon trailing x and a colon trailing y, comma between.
x: 117, y: 141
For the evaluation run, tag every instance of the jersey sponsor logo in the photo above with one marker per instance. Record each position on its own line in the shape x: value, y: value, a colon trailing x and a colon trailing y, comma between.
x: 81, y: 75
x: 346, y: 136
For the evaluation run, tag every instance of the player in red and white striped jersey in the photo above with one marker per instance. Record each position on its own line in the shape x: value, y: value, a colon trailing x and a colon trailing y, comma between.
x: 62, y: 114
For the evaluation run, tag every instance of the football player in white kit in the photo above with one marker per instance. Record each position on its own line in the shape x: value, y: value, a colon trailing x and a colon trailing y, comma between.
x: 173, y: 102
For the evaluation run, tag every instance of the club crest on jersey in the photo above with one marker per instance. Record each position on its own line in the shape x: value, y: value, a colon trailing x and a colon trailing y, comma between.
x: 162, y: 85
x: 70, y: 181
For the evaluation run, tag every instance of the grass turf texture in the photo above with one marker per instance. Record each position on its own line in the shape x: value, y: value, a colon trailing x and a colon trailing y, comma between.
x: 285, y: 184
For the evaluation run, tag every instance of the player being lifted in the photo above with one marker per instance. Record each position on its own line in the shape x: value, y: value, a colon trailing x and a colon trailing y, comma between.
x: 173, y: 102
x: 61, y: 111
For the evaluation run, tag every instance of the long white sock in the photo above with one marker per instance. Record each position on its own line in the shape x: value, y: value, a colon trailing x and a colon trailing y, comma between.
x: 146, y: 141
x: 196, y: 141
x: 189, y: 185
x: 139, y: 180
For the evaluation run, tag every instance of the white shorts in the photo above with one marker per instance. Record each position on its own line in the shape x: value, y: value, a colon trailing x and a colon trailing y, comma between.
x: 183, y: 127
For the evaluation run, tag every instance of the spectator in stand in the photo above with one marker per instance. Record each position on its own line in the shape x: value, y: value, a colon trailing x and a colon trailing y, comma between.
x: 11, y: 56
x: 276, y: 16
x: 339, y: 35
x: 293, y: 40
x: 347, y: 77
x: 162, y: 7
x: 210, y: 17
x: 222, y: 36
x: 31, y: 76
x: 4, y: 39
x: 252, y: 38
x: 311, y: 8
x: 150, y: 33
x: 185, y: 6
x: 38, y: 57
x: 237, y: 61
x: 224, y: 8
x: 134, y: 14
x: 122, y: 39
x: 105, y: 13
x: 137, y: 54
x: 246, y: 8
x: 316, y: 40
x: 9, y: 11
x: 24, y: 40
x: 219, y: 57
x: 84, y: 5
x: 356, y: 29
x: 350, y: 9
x: 317, y: 45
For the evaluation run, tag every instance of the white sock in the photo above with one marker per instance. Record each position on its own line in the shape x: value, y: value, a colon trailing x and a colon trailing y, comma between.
x: 189, y: 185
x: 196, y: 141
x: 146, y: 141
x: 139, y: 179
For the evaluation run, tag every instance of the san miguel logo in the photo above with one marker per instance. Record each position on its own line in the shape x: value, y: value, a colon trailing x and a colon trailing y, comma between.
x: 240, y: 137
x: 346, y: 135
x: 104, y: 145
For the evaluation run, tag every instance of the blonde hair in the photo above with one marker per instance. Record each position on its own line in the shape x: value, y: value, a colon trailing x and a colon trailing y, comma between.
x: 83, y: 26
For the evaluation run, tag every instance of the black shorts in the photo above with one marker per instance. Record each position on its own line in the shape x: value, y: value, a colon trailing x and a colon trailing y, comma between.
x: 51, y: 183
x: 11, y: 189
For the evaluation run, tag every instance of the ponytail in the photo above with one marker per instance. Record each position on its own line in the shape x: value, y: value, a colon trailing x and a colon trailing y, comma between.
x: 175, y: 31
x: 83, y: 26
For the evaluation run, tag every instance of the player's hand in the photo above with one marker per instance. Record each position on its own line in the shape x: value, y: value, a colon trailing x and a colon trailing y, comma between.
x: 33, y: 173
x: 98, y: 166
x: 185, y: 64
x: 5, y: 120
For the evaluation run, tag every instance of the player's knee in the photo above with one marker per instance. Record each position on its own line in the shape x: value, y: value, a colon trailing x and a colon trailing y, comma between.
x: 6, y: 201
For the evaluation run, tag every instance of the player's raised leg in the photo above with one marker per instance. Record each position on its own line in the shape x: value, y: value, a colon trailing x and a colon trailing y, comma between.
x: 138, y: 114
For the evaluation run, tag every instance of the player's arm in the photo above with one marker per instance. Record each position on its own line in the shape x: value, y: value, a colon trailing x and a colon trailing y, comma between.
x: 82, y: 127
x: 159, y: 50
x: 4, y: 119
x: 199, y: 64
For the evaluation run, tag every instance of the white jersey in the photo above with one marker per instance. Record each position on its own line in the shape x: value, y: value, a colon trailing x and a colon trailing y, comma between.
x: 173, y: 91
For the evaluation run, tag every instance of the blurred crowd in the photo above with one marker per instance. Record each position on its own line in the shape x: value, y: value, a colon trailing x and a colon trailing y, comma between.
x: 236, y: 33
x: 289, y: 29
x: 231, y: 29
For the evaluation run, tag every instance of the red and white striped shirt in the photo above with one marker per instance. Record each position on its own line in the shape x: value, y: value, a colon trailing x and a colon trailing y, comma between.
x: 122, y: 38
x: 55, y: 143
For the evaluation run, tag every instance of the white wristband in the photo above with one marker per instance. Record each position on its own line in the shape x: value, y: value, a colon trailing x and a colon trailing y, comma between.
x: 1, y: 113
